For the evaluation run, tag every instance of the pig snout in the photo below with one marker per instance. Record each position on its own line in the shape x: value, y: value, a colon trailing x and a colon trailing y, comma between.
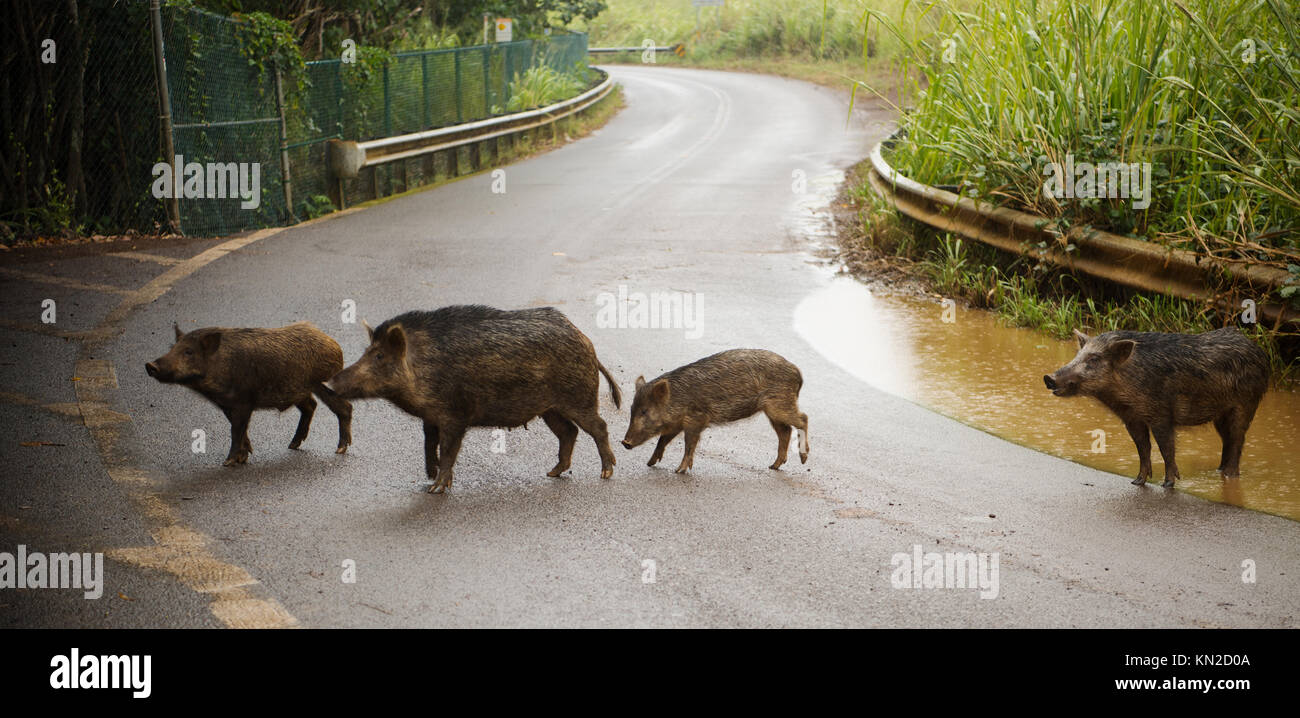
x: 151, y: 369
x: 1060, y: 386
x: 633, y: 438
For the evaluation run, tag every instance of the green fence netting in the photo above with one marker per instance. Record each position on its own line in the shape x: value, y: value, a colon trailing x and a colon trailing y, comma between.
x: 225, y: 110
x: 79, y: 124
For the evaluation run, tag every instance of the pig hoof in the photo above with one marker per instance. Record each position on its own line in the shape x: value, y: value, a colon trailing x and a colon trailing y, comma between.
x: 606, y: 473
x: 681, y: 470
x: 803, y: 458
x: 295, y: 444
x: 229, y: 462
x: 776, y: 465
x: 1168, y: 484
x: 341, y: 450
x: 1139, y: 481
x: 555, y: 473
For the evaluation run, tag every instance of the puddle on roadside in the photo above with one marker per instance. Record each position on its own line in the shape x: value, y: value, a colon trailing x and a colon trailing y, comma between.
x: 990, y: 376
x: 810, y: 217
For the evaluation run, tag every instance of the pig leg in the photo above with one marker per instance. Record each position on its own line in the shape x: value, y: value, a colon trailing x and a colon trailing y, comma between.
x: 590, y: 422
x: 688, y: 458
x: 448, y: 448
x: 783, y: 432
x: 1142, y: 438
x: 431, y: 450
x: 803, y: 438
x: 342, y: 409
x: 1165, y: 440
x: 1232, y: 429
x: 307, y: 407
x: 567, y: 432
x: 788, y: 413
x: 664, y: 441
x: 248, y: 446
x: 239, y: 443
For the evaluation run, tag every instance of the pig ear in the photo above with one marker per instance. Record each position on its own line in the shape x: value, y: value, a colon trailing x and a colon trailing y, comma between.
x: 210, y: 342
x: 395, y: 340
x: 370, y: 333
x: 1120, y: 351
x: 640, y: 382
x: 659, y: 390
x: 1080, y: 337
x: 177, y: 328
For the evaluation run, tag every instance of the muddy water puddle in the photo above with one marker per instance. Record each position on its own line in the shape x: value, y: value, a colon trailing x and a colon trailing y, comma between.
x: 989, y: 376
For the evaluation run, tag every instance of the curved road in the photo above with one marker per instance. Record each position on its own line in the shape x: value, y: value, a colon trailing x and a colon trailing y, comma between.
x: 690, y: 189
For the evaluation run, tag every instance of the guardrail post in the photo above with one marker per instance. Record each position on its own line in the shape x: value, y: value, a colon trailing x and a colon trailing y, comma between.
x: 371, y: 181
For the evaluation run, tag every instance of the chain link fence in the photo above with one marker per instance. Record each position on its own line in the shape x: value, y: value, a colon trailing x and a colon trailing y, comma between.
x: 83, y: 129
x: 225, y: 109
x: 79, y: 118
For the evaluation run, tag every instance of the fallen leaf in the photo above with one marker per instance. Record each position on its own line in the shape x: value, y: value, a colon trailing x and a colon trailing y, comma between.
x: 124, y: 597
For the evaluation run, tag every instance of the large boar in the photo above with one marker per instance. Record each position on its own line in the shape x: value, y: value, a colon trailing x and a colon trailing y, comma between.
x: 727, y: 386
x: 240, y: 370
x: 1155, y: 382
x: 463, y: 366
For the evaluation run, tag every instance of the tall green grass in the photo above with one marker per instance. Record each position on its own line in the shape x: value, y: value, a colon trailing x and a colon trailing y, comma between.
x: 543, y: 85
x: 1207, y: 91
x: 828, y: 29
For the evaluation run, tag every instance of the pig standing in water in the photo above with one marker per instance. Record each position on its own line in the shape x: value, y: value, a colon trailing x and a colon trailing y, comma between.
x: 463, y: 366
x: 1155, y: 382
x: 240, y: 370
x: 727, y: 386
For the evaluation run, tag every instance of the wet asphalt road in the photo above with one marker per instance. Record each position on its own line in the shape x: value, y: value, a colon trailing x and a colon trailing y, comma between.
x: 690, y: 189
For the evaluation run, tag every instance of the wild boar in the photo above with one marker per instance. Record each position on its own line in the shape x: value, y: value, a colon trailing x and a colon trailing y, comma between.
x: 244, y: 369
x: 470, y: 365
x: 1155, y: 382
x: 727, y: 386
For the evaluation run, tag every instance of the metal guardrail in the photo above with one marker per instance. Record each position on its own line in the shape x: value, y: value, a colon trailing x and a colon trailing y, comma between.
x: 347, y: 159
x: 1128, y: 262
x: 679, y: 50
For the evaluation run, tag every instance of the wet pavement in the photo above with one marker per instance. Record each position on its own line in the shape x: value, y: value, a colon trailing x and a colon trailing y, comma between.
x: 708, y: 185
